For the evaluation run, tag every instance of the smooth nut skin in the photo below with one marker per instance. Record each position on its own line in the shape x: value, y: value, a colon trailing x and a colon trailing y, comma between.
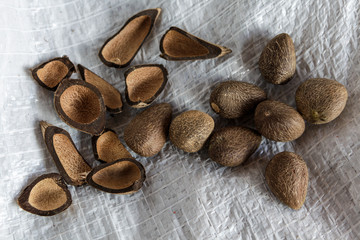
x: 278, y: 60
x: 147, y: 132
x: 233, y: 99
x: 231, y: 146
x: 190, y: 130
x: 278, y: 121
x: 287, y: 177
x: 321, y: 100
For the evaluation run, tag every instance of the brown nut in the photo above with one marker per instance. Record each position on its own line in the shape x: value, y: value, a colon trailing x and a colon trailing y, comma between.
x: 287, y: 177
x: 231, y: 146
x: 278, y: 121
x: 190, y: 130
x: 321, y: 100
x: 278, y: 60
x: 147, y: 132
x: 233, y: 99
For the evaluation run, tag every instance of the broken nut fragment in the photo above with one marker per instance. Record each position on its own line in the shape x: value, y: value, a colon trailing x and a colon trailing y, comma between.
x: 108, y: 148
x: 47, y: 195
x: 80, y: 105
x: 111, y: 96
x: 176, y: 44
x: 49, y: 74
x: 123, y: 176
x: 120, y: 49
x: 144, y: 83
x: 70, y: 163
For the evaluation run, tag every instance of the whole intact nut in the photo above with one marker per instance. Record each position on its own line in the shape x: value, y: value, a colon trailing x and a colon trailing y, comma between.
x: 147, y: 132
x: 287, y: 177
x: 278, y: 60
x: 231, y: 146
x: 278, y: 121
x: 321, y: 100
x: 234, y: 99
x: 190, y: 130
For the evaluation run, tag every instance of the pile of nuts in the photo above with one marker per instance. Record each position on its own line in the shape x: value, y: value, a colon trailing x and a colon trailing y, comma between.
x: 83, y: 104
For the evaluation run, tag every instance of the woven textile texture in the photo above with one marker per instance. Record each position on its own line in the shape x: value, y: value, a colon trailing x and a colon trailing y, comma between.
x: 185, y: 196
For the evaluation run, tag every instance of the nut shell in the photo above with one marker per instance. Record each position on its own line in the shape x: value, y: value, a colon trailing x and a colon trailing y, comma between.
x: 47, y: 195
x: 278, y: 121
x: 231, y: 146
x: 80, y: 105
x: 233, y: 99
x: 123, y: 176
x: 321, y: 100
x: 190, y: 130
x: 287, y: 177
x: 278, y: 60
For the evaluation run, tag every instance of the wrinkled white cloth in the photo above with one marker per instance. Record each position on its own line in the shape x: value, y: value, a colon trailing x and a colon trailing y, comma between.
x: 185, y: 196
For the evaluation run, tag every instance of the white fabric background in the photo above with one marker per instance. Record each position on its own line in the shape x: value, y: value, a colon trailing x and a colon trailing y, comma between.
x: 186, y: 196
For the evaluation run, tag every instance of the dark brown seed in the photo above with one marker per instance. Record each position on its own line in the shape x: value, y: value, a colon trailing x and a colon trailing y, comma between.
x: 146, y: 134
x: 108, y: 148
x: 49, y: 74
x: 47, y: 195
x: 111, y: 96
x: 321, y: 100
x: 278, y: 60
x: 144, y: 83
x: 80, y: 105
x: 231, y: 146
x: 190, y: 130
x: 233, y: 99
x: 68, y: 160
x: 123, y: 176
x: 120, y: 49
x: 176, y: 44
x: 278, y: 121
x: 287, y: 177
